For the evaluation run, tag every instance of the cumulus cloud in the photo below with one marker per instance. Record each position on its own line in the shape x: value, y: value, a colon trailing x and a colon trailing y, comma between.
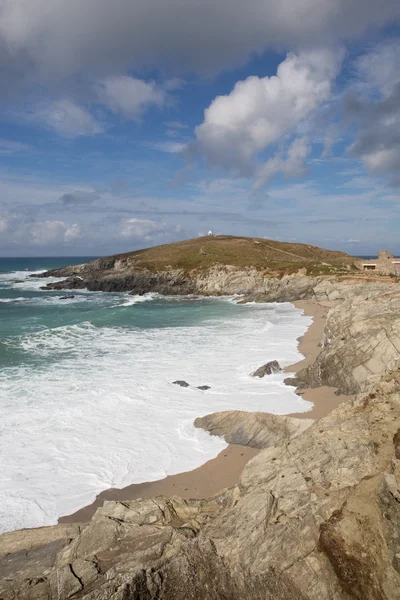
x: 49, y: 232
x: 58, y: 38
x: 140, y: 228
x: 72, y: 233
x: 291, y: 166
x: 259, y: 111
x: 130, y: 96
x: 146, y: 229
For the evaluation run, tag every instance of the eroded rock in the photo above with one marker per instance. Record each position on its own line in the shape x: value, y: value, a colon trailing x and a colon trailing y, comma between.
x: 270, y: 367
x: 181, y: 383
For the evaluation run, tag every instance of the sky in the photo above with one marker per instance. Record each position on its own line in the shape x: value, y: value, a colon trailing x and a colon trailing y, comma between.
x: 133, y: 123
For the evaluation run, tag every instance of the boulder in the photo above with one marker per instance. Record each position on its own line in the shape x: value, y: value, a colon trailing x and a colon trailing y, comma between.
x: 67, y: 297
x: 180, y: 382
x: 270, y: 367
x: 257, y: 430
x: 204, y: 387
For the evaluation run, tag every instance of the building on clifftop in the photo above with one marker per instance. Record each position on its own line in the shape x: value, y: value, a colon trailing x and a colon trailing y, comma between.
x: 386, y: 264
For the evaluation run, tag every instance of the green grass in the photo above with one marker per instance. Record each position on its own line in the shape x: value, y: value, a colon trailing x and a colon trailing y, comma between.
x: 271, y: 257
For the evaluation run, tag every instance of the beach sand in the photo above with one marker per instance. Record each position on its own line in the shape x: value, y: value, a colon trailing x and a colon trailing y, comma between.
x: 224, y: 470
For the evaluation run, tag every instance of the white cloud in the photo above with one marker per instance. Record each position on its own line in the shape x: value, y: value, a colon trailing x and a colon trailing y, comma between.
x: 49, y: 232
x: 130, y: 96
x: 259, y: 111
x: 65, y: 117
x: 140, y: 228
x: 291, y: 166
x: 3, y: 225
x: 72, y: 233
x: 378, y: 70
x: 176, y: 125
x: 169, y: 147
x: 382, y: 160
x: 13, y: 147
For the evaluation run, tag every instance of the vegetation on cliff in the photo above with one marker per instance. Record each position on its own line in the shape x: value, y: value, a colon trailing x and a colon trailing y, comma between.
x: 263, y: 254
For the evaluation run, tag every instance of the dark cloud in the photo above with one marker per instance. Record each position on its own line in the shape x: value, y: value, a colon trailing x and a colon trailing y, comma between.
x: 54, y: 38
x: 79, y: 198
x: 378, y: 133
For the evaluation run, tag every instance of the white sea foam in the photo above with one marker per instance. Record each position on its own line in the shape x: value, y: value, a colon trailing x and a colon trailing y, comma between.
x: 107, y: 415
x: 10, y: 300
x: 26, y: 280
x: 132, y: 300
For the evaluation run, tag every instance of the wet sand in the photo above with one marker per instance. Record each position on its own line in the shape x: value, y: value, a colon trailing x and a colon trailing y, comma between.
x: 224, y: 470
x: 324, y: 398
x: 215, y: 475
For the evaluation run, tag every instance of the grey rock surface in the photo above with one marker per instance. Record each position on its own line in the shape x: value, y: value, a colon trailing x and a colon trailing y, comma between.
x: 257, y: 430
x: 270, y: 367
x: 361, y: 342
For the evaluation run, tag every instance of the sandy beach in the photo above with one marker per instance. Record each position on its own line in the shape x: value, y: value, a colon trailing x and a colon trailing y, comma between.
x: 224, y: 470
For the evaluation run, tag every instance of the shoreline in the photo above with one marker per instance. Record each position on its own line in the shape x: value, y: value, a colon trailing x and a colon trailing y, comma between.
x: 224, y: 470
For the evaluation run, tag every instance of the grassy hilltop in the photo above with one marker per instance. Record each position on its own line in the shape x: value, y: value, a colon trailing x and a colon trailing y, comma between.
x: 266, y: 255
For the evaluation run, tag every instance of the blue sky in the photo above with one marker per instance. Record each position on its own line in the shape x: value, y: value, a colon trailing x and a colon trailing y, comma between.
x: 140, y: 122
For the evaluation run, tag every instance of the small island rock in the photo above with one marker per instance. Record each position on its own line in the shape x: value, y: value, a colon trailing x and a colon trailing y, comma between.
x: 181, y: 383
x: 270, y: 367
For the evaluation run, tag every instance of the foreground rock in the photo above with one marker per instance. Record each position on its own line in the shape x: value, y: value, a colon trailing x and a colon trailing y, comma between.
x: 257, y: 430
x: 361, y: 342
x: 270, y: 367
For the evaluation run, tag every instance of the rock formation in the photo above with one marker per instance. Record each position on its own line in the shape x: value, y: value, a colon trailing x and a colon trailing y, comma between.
x: 270, y: 367
x: 361, y: 342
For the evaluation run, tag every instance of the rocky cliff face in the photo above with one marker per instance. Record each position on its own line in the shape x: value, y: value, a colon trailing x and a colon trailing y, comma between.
x: 316, y: 514
x: 111, y: 275
x: 362, y: 341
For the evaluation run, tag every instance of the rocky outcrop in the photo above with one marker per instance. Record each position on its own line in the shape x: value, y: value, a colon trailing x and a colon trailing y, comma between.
x: 361, y: 342
x: 253, y: 284
x: 137, y: 282
x: 268, y: 369
x: 257, y: 430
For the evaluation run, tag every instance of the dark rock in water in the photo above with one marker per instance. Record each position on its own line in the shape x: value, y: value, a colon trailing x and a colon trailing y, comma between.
x: 66, y: 297
x: 181, y: 383
x: 270, y: 367
x: 203, y: 387
x: 19, y: 281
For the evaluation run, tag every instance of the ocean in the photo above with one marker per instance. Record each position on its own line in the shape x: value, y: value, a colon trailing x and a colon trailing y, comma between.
x: 86, y: 394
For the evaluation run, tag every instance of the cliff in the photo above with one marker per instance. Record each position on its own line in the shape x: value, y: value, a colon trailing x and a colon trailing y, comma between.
x: 315, y: 515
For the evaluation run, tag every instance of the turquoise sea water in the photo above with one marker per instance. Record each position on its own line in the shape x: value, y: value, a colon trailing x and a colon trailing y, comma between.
x: 86, y: 394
